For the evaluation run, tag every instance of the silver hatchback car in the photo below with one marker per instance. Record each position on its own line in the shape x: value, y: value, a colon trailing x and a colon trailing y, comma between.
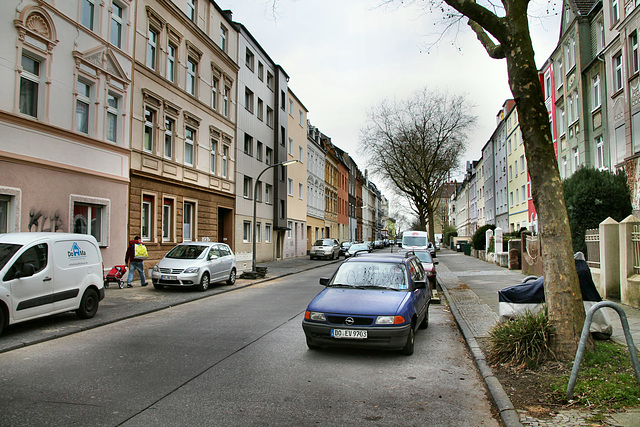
x: 195, y: 264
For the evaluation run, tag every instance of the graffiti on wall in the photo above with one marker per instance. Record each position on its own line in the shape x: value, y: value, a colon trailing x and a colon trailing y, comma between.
x: 43, y: 221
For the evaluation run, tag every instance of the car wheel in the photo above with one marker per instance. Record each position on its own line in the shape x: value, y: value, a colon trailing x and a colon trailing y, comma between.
x: 311, y: 345
x: 311, y: 257
x: 408, y: 347
x: 232, y: 277
x: 158, y: 286
x: 204, y: 282
x: 2, y: 319
x: 88, y: 304
x: 425, y: 322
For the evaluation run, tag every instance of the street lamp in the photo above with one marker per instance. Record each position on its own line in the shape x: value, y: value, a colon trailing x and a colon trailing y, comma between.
x: 255, y: 199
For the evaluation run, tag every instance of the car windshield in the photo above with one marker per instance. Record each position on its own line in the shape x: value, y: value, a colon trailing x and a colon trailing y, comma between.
x: 385, y: 275
x: 7, y: 250
x: 424, y: 257
x: 187, y: 251
x: 358, y: 247
x: 323, y: 243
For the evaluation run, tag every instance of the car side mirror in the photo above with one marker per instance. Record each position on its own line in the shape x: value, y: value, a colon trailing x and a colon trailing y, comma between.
x: 213, y: 256
x: 27, y: 270
x: 324, y: 281
x: 420, y: 284
x: 436, y: 262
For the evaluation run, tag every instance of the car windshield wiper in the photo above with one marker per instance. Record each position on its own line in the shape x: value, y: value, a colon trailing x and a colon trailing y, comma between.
x: 342, y: 285
x: 386, y: 288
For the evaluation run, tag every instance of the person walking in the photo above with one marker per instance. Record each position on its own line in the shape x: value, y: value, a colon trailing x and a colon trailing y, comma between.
x: 134, y: 263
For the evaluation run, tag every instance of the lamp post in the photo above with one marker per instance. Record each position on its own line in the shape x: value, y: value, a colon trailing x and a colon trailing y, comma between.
x: 255, y: 199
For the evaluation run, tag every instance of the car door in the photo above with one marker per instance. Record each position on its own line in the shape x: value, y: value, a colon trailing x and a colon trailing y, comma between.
x: 226, y: 258
x: 420, y: 295
x: 31, y: 296
x: 215, y: 263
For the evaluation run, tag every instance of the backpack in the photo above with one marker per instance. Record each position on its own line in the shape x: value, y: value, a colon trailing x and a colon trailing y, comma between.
x: 140, y: 251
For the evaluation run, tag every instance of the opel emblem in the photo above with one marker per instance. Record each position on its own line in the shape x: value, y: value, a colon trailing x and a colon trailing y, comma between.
x: 349, y: 321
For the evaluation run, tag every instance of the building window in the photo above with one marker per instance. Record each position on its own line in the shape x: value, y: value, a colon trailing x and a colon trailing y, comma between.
x: 191, y: 10
x: 576, y: 160
x: 300, y: 153
x: 192, y: 70
x: 29, y: 86
x: 248, y: 144
x: 149, y: 121
x: 635, y: 133
x: 246, y: 231
x: 268, y: 156
x: 290, y: 187
x: 83, y: 101
x: 510, y: 173
x: 152, y: 44
x: 290, y: 148
x: 600, y: 153
x: 615, y: 11
x: 214, y: 93
x: 267, y: 233
x: 596, y: 91
x: 4, y: 213
x: 225, y: 161
x: 171, y: 63
x: 522, y: 163
x: 259, y: 150
x: 267, y: 193
x: 225, y: 102
x: 269, y: 80
x: 562, y: 128
x: 617, y: 72
x: 90, y: 219
x: 300, y: 192
x: 289, y: 228
x: 168, y: 138
x: 247, y: 187
x: 248, y: 100
x: 147, y: 217
x: 87, y: 10
x: 248, y: 60
x: 260, y: 71
x: 223, y: 38
x: 258, y: 232
x: 260, y: 110
x: 633, y: 50
x: 116, y: 24
x: 113, y: 117
x: 188, y: 221
x: 258, y: 191
x: 559, y: 74
x: 189, y: 143
x: 621, y: 143
x: 523, y: 194
x: 167, y: 220
x: 300, y: 118
x: 269, y: 116
x: 212, y: 156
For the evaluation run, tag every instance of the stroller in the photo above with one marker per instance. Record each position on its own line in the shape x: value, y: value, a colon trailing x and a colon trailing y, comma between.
x: 116, y: 274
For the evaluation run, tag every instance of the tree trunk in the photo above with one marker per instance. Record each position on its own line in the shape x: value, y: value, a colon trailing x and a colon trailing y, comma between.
x: 562, y: 291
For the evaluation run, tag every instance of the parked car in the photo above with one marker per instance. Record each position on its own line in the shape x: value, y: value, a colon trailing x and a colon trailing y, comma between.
x: 429, y: 265
x: 432, y: 249
x: 195, y: 264
x: 372, y: 301
x: 325, y: 248
x: 344, y: 247
x: 378, y: 244
x: 357, y: 248
x: 48, y: 273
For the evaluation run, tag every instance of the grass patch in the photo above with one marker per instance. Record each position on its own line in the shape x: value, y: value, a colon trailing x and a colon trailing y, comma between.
x: 606, y: 379
x: 522, y: 341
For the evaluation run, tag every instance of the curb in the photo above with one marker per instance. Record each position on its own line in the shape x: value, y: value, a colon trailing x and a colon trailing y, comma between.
x: 507, y: 412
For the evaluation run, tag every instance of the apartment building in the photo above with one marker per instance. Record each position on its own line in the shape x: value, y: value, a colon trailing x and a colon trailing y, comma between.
x: 331, y: 191
x: 64, y: 151
x: 296, y: 239
x: 517, y: 175
x: 316, y: 153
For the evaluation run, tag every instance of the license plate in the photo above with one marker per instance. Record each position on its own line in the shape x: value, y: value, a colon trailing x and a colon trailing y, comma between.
x: 169, y: 277
x: 348, y: 333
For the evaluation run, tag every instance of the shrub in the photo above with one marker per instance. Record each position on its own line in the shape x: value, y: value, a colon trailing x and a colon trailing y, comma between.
x: 523, y: 341
x: 591, y: 196
x: 480, y: 236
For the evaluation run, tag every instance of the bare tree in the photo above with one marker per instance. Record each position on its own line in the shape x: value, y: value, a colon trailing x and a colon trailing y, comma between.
x: 415, y: 144
x: 503, y: 30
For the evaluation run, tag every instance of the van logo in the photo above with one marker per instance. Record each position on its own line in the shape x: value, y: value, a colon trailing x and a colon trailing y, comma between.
x: 76, y: 252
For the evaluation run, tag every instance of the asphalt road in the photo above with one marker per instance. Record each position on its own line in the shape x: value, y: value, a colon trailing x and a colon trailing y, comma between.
x: 240, y: 358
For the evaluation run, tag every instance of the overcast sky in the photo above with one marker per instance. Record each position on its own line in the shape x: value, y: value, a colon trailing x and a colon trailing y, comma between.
x: 345, y: 56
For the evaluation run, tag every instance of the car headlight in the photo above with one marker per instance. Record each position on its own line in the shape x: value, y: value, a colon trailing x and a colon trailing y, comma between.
x: 315, y: 316
x: 156, y: 268
x: 191, y: 270
x: 389, y: 320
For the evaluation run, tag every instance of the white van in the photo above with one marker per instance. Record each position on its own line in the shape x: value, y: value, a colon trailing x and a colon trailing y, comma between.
x: 48, y: 273
x: 415, y: 240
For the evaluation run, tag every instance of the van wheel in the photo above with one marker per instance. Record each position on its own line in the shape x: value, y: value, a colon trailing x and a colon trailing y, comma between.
x: 232, y: 277
x: 88, y: 304
x: 204, y: 282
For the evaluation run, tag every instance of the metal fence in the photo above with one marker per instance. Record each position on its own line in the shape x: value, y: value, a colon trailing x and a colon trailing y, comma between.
x: 592, y: 239
x: 635, y: 242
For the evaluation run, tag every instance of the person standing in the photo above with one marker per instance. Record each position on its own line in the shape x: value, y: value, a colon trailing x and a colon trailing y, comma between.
x: 134, y: 263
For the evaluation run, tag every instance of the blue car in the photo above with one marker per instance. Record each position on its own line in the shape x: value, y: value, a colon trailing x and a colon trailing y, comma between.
x: 374, y: 301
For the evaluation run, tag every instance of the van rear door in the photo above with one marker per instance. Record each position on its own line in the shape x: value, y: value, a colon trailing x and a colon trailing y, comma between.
x: 77, y: 262
x: 31, y: 296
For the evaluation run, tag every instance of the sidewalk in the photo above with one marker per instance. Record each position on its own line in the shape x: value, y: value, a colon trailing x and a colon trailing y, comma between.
x: 471, y: 285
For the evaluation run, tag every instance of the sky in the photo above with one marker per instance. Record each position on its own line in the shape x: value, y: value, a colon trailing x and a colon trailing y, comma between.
x: 344, y: 57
